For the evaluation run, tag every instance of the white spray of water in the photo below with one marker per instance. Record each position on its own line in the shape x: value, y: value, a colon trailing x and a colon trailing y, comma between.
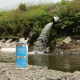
x: 40, y: 44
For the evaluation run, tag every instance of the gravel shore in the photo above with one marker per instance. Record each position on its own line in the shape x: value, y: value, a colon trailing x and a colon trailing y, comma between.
x: 9, y: 71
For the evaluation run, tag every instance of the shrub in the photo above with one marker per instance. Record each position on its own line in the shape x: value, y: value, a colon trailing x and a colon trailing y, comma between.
x: 22, y: 7
x: 69, y: 18
x: 63, y: 2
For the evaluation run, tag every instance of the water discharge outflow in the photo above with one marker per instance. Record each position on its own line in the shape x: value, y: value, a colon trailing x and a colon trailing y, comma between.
x: 40, y: 44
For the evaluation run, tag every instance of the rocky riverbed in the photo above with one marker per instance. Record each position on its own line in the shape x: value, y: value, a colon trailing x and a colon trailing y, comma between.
x: 64, y: 46
x: 67, y: 47
x: 9, y: 71
x: 7, y: 43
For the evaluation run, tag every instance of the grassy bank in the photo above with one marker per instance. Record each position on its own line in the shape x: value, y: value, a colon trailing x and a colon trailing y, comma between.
x: 21, y: 21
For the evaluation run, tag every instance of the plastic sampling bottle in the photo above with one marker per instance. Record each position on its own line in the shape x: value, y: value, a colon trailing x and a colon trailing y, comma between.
x: 22, y: 53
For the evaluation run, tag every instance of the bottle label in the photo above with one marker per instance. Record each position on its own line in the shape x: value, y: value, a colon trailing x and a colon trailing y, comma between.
x: 21, y: 56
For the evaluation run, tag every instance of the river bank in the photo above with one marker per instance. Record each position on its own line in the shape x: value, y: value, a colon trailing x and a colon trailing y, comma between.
x: 9, y: 71
x: 72, y: 47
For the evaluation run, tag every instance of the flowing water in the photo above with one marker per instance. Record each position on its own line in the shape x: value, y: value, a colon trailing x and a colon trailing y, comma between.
x: 66, y: 63
x: 40, y: 44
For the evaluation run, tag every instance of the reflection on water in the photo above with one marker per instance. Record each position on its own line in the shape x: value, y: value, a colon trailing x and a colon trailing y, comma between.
x: 58, y: 62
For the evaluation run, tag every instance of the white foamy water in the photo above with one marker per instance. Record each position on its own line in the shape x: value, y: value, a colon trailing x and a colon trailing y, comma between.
x: 11, y: 50
x: 40, y: 44
x: 35, y: 52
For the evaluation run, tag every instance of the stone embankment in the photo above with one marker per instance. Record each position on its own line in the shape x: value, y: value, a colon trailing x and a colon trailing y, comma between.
x: 9, y: 71
x: 67, y: 46
x: 8, y: 43
x: 63, y: 46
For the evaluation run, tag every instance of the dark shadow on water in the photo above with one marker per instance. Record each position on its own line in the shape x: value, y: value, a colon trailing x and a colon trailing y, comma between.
x: 66, y: 63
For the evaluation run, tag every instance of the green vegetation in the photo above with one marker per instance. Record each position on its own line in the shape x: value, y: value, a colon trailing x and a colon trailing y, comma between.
x: 69, y: 22
x: 22, y: 7
x: 69, y: 17
x: 21, y: 21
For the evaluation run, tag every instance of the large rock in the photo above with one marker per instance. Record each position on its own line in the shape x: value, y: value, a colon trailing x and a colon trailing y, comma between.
x: 31, y: 34
x: 67, y: 40
x: 8, y: 41
x: 13, y: 44
x: 3, y: 40
x: 0, y: 45
x: 7, y: 45
x: 10, y: 45
x: 47, y: 50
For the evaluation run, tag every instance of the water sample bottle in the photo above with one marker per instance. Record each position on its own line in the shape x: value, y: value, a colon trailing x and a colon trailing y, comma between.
x: 22, y: 53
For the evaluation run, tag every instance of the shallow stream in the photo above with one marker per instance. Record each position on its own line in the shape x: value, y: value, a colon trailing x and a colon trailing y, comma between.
x: 66, y: 63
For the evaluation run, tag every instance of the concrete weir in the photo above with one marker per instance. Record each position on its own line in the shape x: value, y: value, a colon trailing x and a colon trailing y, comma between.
x: 8, y: 49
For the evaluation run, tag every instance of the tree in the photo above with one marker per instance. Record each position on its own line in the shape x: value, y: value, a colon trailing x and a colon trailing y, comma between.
x: 22, y: 7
